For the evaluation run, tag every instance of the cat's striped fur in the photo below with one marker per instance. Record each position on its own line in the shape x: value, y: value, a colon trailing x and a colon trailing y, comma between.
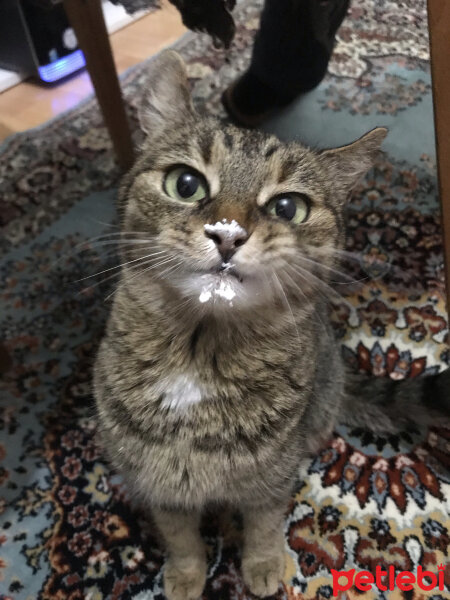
x: 211, y: 403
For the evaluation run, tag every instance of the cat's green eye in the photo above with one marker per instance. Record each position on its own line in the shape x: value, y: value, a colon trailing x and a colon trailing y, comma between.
x: 185, y: 184
x: 290, y: 207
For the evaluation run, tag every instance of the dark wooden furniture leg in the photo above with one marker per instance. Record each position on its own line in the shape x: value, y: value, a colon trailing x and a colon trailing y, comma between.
x: 439, y: 26
x: 86, y: 17
x: 5, y: 360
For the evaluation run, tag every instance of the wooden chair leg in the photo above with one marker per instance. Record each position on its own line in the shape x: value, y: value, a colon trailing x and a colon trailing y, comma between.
x: 439, y: 26
x: 5, y: 360
x: 86, y: 18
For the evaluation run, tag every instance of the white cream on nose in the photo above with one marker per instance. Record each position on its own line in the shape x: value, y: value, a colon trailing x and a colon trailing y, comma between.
x: 225, y: 229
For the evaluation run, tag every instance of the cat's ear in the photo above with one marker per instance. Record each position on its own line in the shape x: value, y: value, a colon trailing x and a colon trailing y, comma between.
x: 168, y: 100
x: 347, y: 164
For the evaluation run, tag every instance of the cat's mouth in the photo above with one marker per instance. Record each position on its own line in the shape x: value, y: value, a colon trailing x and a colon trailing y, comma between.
x: 227, y: 270
x: 223, y: 286
x: 222, y: 271
x: 220, y: 284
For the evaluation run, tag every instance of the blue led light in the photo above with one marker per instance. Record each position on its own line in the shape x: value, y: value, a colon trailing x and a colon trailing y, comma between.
x: 62, y: 67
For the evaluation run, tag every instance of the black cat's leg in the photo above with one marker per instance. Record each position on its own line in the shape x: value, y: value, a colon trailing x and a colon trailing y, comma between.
x: 290, y: 56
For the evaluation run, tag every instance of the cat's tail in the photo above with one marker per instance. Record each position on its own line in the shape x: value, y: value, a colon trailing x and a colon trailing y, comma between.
x: 385, y: 405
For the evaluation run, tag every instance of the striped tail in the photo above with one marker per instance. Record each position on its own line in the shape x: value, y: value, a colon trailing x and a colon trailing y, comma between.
x: 385, y: 405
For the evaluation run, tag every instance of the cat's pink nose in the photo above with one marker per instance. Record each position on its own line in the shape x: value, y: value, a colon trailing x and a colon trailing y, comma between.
x: 228, y: 237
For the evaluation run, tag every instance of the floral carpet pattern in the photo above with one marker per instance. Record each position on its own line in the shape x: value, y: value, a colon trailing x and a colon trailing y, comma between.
x: 67, y: 528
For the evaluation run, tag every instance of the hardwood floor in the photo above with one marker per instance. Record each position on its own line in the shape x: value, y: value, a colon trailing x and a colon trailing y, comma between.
x: 30, y: 104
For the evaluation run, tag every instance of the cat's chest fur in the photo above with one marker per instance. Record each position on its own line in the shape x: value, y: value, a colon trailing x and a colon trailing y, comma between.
x: 200, y: 400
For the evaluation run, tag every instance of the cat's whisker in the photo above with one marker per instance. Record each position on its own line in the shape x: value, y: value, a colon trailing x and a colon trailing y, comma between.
x: 125, y: 251
x: 111, y: 237
x: 268, y: 281
x: 141, y: 272
x: 327, y: 268
x: 119, y: 243
x: 87, y: 245
x: 141, y: 258
x: 358, y: 260
x: 355, y: 259
x: 97, y: 222
x: 115, y: 288
x: 98, y: 283
x: 354, y: 256
x: 286, y: 301
x: 153, y: 266
x: 172, y: 270
x: 363, y: 262
x: 314, y: 281
x: 109, y: 277
x: 312, y: 278
x: 103, y: 223
x: 194, y: 308
x: 162, y: 262
x: 294, y: 284
x: 350, y: 280
x: 182, y: 305
x: 302, y: 293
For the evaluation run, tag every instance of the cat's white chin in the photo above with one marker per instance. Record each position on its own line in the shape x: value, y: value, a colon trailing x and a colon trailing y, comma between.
x: 220, y: 290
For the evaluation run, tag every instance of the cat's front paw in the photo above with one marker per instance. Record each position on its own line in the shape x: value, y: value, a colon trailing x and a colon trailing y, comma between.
x: 263, y: 577
x: 184, y: 580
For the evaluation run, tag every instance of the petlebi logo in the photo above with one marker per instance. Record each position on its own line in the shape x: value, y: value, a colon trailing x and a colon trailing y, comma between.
x: 388, y: 580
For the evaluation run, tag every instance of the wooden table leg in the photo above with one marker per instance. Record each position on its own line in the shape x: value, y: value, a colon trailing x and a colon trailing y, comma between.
x: 86, y: 18
x: 439, y: 26
x: 5, y: 360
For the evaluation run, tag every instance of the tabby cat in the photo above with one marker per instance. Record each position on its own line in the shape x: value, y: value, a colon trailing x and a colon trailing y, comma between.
x: 218, y: 372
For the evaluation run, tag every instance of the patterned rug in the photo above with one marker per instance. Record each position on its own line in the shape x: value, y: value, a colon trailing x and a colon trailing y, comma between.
x: 67, y: 528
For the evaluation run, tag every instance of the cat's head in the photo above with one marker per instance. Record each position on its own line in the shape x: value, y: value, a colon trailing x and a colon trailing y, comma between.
x: 233, y: 219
